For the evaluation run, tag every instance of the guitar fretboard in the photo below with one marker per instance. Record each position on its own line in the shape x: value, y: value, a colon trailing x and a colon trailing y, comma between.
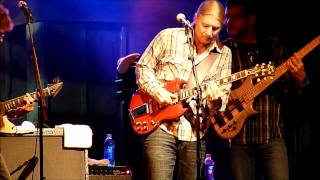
x: 17, y: 102
x: 187, y: 93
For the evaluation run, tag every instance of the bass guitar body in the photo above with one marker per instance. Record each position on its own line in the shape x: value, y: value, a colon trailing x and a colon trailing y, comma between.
x: 229, y: 123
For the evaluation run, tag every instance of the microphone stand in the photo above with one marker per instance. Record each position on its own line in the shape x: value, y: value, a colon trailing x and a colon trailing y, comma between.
x: 199, y: 103
x: 42, y: 108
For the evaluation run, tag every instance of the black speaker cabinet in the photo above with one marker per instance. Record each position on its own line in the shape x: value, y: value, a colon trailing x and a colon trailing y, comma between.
x: 109, y: 173
x: 58, y: 162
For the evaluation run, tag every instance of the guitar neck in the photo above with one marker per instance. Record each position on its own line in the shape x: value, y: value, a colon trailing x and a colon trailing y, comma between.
x: 234, y: 77
x: 187, y: 93
x: 283, y: 68
x: 18, y: 101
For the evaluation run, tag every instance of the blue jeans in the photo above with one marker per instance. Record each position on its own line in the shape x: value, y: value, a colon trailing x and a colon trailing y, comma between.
x: 269, y: 159
x: 168, y: 158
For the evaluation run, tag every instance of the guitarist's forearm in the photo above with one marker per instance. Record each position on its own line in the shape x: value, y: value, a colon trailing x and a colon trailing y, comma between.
x: 146, y: 80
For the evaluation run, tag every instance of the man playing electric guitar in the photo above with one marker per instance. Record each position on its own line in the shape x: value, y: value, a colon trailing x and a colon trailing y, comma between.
x: 6, y: 25
x: 170, y: 56
x: 7, y: 126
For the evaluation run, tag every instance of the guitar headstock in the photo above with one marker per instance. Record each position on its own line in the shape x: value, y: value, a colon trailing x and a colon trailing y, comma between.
x: 263, y: 70
x: 54, y: 88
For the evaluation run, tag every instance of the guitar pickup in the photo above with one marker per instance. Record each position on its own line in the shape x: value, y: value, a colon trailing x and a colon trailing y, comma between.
x: 238, y: 105
x: 219, y: 119
x: 228, y: 114
x: 139, y: 111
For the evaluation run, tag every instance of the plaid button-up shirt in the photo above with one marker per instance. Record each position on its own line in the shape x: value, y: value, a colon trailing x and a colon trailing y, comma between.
x: 166, y: 59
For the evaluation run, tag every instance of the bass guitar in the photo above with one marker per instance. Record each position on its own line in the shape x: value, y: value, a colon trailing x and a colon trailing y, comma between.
x: 8, y: 127
x: 229, y: 123
x: 146, y: 114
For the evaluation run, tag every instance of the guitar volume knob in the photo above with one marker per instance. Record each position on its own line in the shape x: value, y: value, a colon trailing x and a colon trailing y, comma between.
x: 137, y: 123
x: 153, y: 122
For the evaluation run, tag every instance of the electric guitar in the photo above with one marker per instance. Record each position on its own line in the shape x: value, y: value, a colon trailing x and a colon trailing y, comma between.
x: 229, y: 123
x: 146, y: 114
x: 8, y: 127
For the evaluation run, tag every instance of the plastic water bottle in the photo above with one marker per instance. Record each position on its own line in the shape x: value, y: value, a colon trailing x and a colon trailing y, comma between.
x: 109, y: 150
x: 209, y: 167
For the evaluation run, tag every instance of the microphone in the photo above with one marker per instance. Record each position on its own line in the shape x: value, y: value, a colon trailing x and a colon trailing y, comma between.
x: 27, y: 12
x: 182, y: 19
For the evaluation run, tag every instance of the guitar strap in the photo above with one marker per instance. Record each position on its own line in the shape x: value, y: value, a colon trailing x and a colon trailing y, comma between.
x: 202, y: 70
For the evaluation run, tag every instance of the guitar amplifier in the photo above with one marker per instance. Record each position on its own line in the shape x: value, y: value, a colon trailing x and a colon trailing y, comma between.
x: 58, y: 162
x: 110, y: 177
x: 109, y: 173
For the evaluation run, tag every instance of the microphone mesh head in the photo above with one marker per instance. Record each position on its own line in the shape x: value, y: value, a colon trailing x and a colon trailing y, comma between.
x: 22, y: 4
x: 180, y: 16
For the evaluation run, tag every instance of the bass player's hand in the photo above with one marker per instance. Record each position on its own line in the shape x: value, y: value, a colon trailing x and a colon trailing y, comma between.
x: 296, y: 68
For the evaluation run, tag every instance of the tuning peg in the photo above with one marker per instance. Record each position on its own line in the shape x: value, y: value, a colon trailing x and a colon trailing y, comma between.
x: 56, y: 79
x: 258, y: 79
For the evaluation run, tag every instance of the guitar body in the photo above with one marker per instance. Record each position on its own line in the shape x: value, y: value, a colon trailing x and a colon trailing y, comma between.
x: 229, y: 123
x: 6, y: 126
x: 146, y: 114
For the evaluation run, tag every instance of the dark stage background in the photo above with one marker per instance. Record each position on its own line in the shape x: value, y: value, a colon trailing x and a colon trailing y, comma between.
x: 80, y: 41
